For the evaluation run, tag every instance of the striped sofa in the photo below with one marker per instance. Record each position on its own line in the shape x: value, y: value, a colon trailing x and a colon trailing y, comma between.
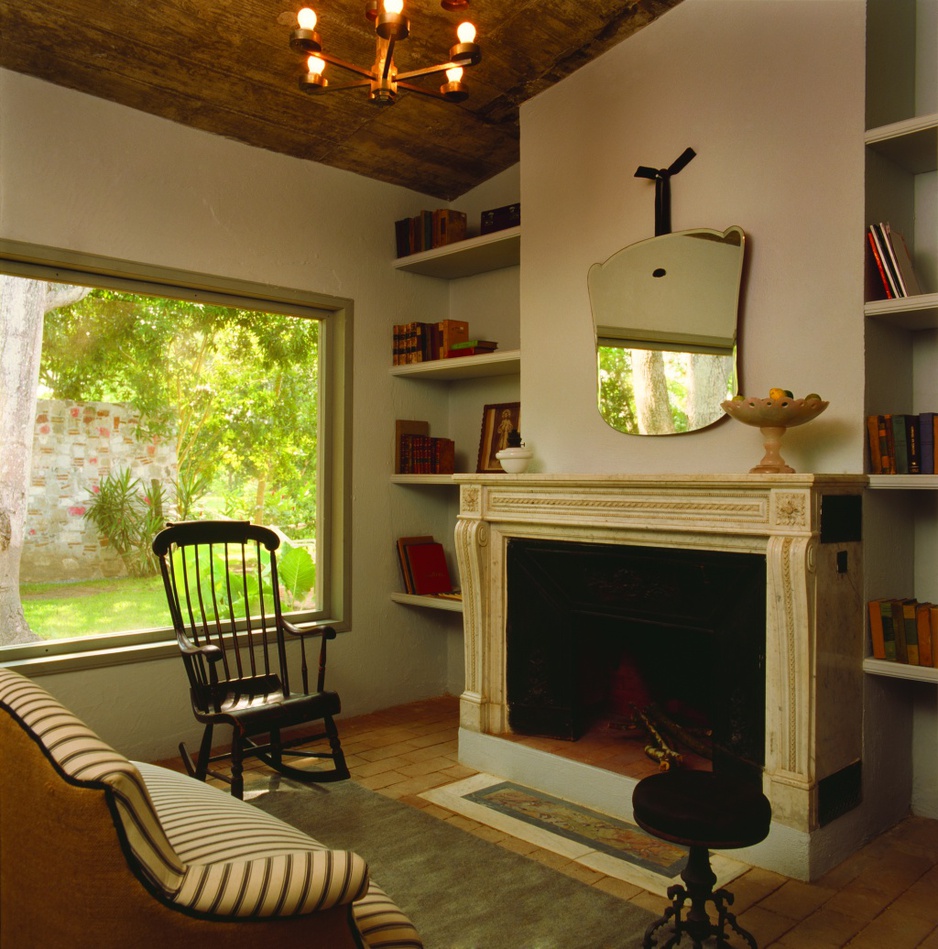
x: 96, y: 850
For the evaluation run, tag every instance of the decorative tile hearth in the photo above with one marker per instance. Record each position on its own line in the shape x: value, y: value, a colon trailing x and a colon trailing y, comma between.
x: 610, y: 846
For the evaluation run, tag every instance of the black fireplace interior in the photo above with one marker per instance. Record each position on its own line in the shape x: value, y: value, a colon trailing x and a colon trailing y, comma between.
x: 598, y: 632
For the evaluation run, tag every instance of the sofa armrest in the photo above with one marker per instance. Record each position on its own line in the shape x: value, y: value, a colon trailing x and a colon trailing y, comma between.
x: 241, y: 862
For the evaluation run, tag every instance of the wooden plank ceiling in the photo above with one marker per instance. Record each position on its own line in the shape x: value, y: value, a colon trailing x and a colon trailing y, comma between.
x: 226, y: 67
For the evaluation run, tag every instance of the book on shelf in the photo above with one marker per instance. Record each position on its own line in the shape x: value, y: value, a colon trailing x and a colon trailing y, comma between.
x: 428, y: 568
x: 902, y: 443
x: 928, y: 438
x: 429, y: 229
x: 497, y: 219
x: 904, y: 631
x: 402, y: 544
x: 926, y: 655
x: 902, y: 259
x: 421, y: 342
x: 877, y: 642
x: 472, y: 347
x: 890, y: 646
x: 910, y: 626
x: 417, y: 452
x: 892, y: 262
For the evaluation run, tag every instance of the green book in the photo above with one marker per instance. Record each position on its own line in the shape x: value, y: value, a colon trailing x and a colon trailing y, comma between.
x: 911, y: 631
x: 889, y: 631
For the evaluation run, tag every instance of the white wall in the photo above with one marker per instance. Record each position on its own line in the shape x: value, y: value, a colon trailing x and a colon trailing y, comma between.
x: 770, y: 94
x: 90, y: 176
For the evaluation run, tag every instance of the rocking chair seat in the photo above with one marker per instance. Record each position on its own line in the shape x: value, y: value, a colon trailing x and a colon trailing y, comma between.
x: 271, y: 706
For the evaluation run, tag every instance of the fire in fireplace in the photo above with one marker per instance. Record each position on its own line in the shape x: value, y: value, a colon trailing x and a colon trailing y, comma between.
x: 609, y: 635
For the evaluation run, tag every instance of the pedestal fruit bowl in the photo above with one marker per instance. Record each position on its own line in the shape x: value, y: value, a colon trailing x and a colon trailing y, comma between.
x: 773, y: 417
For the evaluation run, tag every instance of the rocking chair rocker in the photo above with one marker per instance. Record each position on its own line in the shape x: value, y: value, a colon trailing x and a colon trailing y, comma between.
x: 223, y: 591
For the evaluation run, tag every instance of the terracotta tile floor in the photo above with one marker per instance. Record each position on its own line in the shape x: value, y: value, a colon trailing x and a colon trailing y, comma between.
x: 883, y: 897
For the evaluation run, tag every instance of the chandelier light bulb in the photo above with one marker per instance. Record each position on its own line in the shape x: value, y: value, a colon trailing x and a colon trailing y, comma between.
x: 455, y: 74
x: 306, y: 19
x: 315, y: 65
x: 393, y: 6
x: 466, y: 32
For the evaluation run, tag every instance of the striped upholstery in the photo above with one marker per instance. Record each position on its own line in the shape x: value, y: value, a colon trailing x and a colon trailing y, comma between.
x: 204, y: 850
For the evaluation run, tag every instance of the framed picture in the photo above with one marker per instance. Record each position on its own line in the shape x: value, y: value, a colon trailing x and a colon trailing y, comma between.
x: 497, y: 421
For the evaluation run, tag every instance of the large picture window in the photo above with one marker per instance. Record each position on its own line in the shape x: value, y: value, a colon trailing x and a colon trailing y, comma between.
x: 151, y: 407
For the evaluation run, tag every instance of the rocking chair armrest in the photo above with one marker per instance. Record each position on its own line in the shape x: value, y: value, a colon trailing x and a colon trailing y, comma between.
x: 327, y: 632
x: 207, y: 650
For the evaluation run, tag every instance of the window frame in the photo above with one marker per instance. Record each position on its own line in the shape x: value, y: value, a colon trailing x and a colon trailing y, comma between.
x: 56, y: 265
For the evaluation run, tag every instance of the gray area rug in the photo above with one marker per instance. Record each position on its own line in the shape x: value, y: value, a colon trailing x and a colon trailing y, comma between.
x: 461, y: 892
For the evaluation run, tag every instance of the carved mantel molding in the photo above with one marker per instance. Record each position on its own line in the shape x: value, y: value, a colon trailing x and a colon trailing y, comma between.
x: 814, y: 617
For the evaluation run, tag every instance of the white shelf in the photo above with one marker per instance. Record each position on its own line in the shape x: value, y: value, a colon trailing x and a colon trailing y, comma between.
x: 900, y: 670
x: 911, y: 144
x: 422, y: 479
x: 914, y: 313
x: 505, y: 363
x: 428, y: 602
x: 902, y: 482
x: 466, y: 258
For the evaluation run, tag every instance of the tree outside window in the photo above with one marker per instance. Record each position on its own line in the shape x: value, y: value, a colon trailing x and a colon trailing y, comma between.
x: 190, y: 409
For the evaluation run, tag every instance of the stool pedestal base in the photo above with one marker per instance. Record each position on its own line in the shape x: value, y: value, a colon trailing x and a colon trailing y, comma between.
x: 698, y: 878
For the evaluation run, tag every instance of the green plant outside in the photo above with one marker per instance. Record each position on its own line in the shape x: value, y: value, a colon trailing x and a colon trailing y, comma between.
x: 128, y: 518
x: 73, y: 610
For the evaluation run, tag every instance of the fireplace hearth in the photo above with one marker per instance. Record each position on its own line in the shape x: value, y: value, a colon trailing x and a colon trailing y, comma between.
x: 736, y: 600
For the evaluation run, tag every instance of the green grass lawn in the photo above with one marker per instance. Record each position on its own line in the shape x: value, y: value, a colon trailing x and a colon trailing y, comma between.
x: 67, y: 610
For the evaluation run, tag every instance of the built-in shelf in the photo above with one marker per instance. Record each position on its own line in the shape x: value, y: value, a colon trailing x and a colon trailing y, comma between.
x: 505, y: 363
x: 912, y: 144
x: 421, y: 479
x: 901, y: 482
x: 914, y: 313
x: 900, y: 670
x: 428, y: 602
x: 465, y: 258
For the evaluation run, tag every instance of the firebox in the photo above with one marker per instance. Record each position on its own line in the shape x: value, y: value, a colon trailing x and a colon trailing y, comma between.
x: 608, y: 635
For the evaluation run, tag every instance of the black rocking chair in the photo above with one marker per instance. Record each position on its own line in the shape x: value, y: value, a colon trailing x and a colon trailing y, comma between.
x: 222, y: 586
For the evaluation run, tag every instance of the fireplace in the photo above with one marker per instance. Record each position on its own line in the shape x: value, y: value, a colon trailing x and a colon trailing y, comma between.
x: 757, y: 577
x: 607, y: 635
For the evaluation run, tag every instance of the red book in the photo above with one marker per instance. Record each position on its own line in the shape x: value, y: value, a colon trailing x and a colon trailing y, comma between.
x: 428, y: 568
x: 402, y: 544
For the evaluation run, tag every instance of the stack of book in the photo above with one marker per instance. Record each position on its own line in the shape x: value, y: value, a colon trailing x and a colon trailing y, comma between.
x: 891, y: 262
x: 904, y: 630
x: 423, y: 567
x: 429, y: 229
x: 472, y: 347
x: 902, y: 444
x: 416, y: 452
x: 420, y: 342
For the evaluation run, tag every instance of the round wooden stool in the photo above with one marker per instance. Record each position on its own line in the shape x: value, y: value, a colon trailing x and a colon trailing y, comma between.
x: 701, y: 811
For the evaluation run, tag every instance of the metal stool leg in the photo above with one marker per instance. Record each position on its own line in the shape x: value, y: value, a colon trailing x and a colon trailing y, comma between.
x: 699, y: 878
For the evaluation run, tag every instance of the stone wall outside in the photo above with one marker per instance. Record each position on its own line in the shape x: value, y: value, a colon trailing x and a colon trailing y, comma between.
x: 76, y: 445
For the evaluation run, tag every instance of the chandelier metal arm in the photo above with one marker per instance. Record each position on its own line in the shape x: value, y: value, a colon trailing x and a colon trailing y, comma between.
x: 427, y: 71
x: 410, y: 87
x: 351, y: 67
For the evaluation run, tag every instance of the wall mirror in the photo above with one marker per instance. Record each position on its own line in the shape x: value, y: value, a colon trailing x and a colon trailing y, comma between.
x: 665, y: 316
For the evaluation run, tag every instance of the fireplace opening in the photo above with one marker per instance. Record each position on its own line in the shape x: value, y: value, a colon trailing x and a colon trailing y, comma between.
x: 662, y: 646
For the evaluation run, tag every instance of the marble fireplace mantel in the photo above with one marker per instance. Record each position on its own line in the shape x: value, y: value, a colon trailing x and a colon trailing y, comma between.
x: 814, y: 614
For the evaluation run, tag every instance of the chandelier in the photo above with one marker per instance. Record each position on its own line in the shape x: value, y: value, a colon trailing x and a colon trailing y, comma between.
x: 383, y: 79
